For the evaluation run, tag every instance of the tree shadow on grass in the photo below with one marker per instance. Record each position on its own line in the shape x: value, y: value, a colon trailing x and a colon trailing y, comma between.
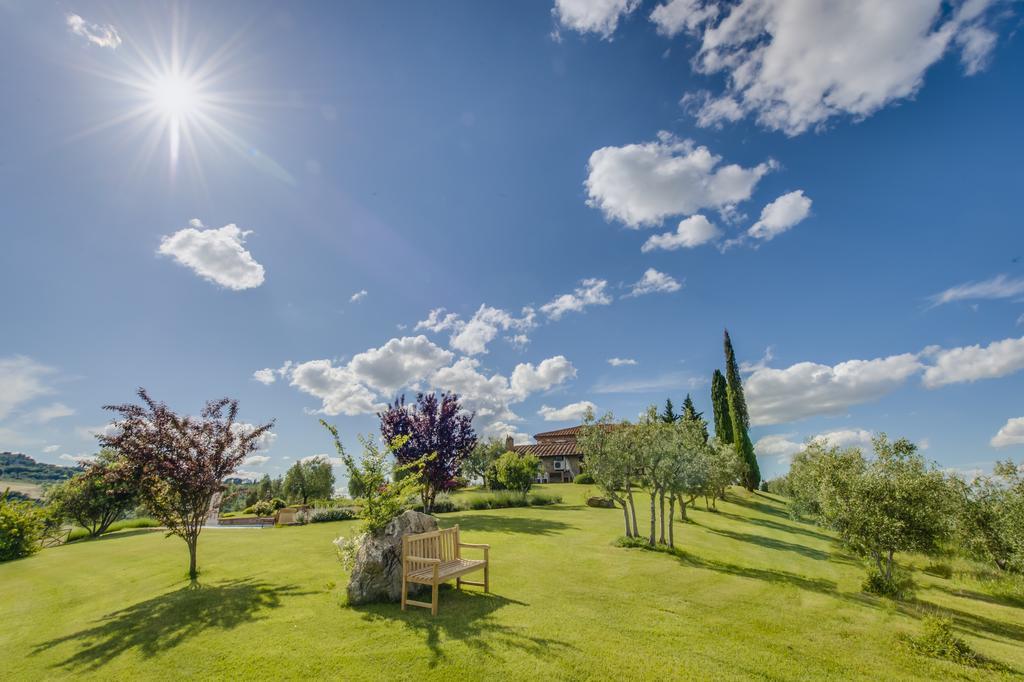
x: 771, y: 507
x: 467, y: 618
x: 772, y: 543
x: 114, y: 535
x: 511, y: 524
x: 793, y: 527
x: 164, y: 622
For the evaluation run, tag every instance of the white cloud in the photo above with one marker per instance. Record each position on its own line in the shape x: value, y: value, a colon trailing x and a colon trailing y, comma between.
x: 778, y: 446
x: 263, y: 442
x: 93, y: 432
x: 643, y: 184
x: 845, y: 438
x: 619, y: 362
x: 216, y: 255
x: 399, y: 362
x: 255, y: 460
x: 676, y: 16
x: 747, y: 367
x: 1012, y: 433
x: 436, y: 323
x: 77, y: 460
x: 47, y: 413
x: 776, y: 396
x: 590, y: 292
x: 51, y: 448
x: 333, y: 461
x: 103, y: 35
x: 780, y: 215
x: 593, y: 16
x: 669, y: 381
x: 794, y: 65
x: 22, y: 380
x: 337, y: 387
x: 358, y: 296
x: 473, y: 336
x: 999, y: 286
x: 571, y: 412
x: 653, y: 282
x: 527, y: 379
x: 265, y: 376
x: 970, y: 363
x: 692, y: 232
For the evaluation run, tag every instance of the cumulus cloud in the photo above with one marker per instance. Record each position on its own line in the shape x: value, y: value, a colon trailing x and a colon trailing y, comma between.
x: 777, y: 396
x: 794, y: 65
x: 971, y: 363
x: 845, y: 438
x: 690, y: 233
x: 102, y: 35
x: 263, y: 442
x: 265, y: 376
x: 51, y: 448
x: 527, y: 379
x: 216, y: 255
x: 1011, y: 433
x: 643, y: 184
x: 593, y: 16
x: 437, y: 321
x: 780, y: 446
x: 590, y: 292
x: 677, y: 16
x: 22, y: 380
x: 571, y: 412
x: 338, y: 388
x: 358, y: 296
x: 997, y: 287
x: 472, y: 337
x: 653, y: 282
x: 399, y: 362
x: 619, y: 362
x: 255, y: 460
x: 780, y: 215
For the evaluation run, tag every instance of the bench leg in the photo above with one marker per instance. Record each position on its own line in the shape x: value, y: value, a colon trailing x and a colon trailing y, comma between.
x: 433, y: 601
x: 487, y: 577
x: 458, y: 583
x: 404, y: 588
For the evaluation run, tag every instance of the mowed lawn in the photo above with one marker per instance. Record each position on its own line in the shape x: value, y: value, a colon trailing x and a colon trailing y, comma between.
x: 758, y: 597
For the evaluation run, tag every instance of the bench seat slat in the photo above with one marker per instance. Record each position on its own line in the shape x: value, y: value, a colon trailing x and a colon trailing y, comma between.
x: 446, y: 570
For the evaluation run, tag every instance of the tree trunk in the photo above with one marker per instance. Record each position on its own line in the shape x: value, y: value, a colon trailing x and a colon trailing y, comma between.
x: 192, y: 572
x: 682, y: 509
x: 632, y: 509
x: 654, y: 517
x: 671, y: 520
x: 661, y: 513
x: 625, y: 516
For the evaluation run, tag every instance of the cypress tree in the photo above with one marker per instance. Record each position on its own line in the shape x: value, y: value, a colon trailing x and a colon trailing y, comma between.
x: 739, y: 416
x: 691, y: 414
x: 720, y: 407
x: 669, y: 415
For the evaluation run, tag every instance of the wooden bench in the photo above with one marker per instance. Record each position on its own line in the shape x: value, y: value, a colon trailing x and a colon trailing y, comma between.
x: 436, y: 557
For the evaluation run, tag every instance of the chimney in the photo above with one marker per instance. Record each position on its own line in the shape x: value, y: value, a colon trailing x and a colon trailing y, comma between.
x: 509, y: 443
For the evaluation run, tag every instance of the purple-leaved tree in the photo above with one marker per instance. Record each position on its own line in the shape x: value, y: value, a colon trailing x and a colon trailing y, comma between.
x: 180, y: 462
x: 437, y: 427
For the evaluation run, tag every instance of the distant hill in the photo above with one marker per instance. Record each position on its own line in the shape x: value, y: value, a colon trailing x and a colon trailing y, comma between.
x: 18, y: 467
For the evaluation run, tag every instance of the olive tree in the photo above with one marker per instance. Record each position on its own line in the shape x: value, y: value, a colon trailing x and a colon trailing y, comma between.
x: 310, y: 478
x: 990, y: 520
x: 98, y: 496
x: 516, y: 472
x: 609, y: 466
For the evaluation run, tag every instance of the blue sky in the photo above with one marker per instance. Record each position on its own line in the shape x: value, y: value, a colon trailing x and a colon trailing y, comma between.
x: 572, y: 182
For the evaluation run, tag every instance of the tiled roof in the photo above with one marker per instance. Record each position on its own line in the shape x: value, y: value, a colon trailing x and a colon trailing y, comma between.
x: 560, y: 433
x: 550, y: 449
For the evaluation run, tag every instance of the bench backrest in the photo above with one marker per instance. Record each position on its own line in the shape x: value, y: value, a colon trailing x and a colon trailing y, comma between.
x: 437, y: 544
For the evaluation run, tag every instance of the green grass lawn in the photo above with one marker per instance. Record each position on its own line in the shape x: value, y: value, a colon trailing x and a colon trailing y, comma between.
x: 757, y: 596
x: 25, y: 488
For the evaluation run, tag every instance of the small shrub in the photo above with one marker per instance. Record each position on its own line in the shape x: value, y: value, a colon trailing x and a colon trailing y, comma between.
x: 584, y: 479
x: 939, y: 570
x: 939, y: 641
x: 347, y: 549
x: 444, y: 503
x: 266, y: 507
x: 22, y: 525
x: 539, y: 499
x: 331, y: 514
x: 899, y: 586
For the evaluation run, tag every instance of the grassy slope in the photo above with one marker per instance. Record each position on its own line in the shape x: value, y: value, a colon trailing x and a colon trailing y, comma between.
x: 27, y: 488
x: 759, y: 597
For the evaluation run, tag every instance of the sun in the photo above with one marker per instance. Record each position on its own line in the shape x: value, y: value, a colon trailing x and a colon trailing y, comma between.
x: 175, y: 95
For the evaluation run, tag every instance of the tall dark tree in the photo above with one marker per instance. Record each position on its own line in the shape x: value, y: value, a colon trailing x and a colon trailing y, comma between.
x: 720, y: 407
x: 668, y: 415
x: 690, y: 414
x: 739, y: 416
x: 437, y: 429
x: 181, y: 462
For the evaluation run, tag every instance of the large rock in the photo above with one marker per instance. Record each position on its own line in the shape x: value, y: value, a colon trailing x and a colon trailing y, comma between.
x: 377, y: 574
x: 600, y: 502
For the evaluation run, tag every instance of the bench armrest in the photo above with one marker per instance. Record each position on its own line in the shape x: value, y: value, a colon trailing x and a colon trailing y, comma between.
x: 472, y: 545
x: 421, y: 559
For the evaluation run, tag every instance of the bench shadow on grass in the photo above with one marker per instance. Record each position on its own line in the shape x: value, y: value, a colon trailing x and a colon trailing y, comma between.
x: 465, y: 617
x: 164, y: 622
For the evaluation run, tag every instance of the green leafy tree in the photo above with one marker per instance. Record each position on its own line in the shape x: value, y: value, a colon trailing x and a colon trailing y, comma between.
x: 22, y: 526
x: 739, y: 417
x: 990, y: 520
x: 95, y: 498
x: 610, y: 468
x: 516, y: 472
x: 896, y: 502
x: 311, y: 478
x: 265, y: 488
x: 691, y: 415
x: 720, y: 408
x: 478, y: 464
x: 668, y: 415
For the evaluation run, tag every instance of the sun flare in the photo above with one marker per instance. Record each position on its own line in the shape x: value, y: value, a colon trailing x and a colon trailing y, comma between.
x: 175, y: 95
